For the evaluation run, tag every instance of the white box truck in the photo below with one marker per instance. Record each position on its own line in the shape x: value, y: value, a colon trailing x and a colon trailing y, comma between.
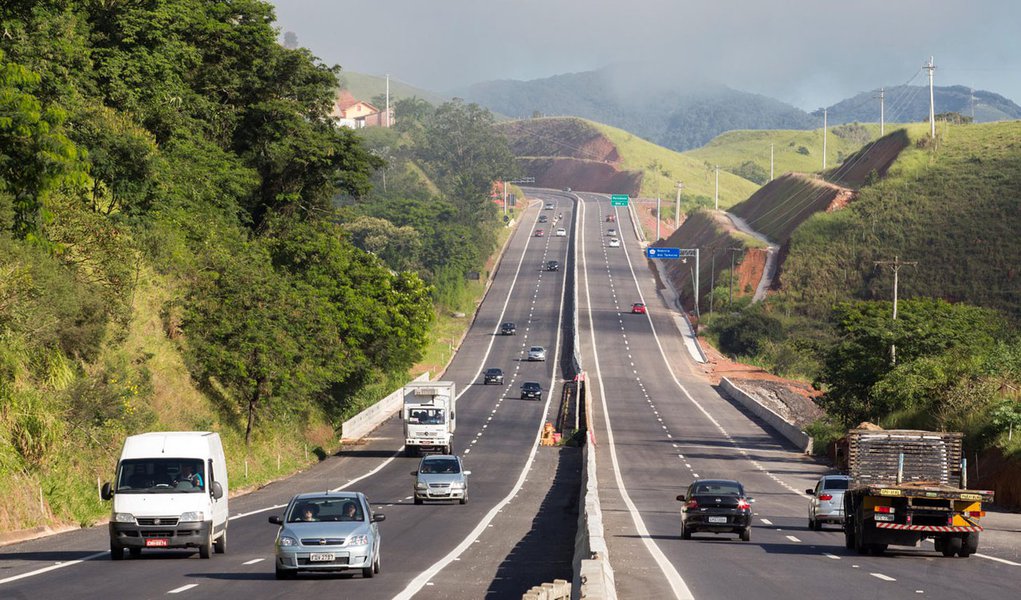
x: 170, y: 492
x: 429, y: 417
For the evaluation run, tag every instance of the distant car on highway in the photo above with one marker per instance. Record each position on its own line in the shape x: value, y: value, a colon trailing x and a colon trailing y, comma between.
x: 327, y: 531
x: 561, y: 232
x: 612, y: 232
x: 508, y: 328
x: 441, y: 477
x: 543, y: 218
x: 827, y: 502
x: 549, y: 206
x: 614, y: 243
x: 638, y: 308
x: 531, y: 390
x: 716, y: 506
x: 539, y: 233
x: 492, y: 375
x: 536, y: 353
x: 567, y: 189
x: 552, y: 265
x: 610, y: 218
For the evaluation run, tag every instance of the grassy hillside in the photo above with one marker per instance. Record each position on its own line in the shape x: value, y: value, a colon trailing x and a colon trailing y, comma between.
x: 663, y: 168
x: 951, y: 206
x: 793, y: 151
x: 365, y: 87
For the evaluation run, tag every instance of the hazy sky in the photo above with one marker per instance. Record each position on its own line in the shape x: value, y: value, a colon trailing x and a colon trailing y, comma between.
x: 807, y: 52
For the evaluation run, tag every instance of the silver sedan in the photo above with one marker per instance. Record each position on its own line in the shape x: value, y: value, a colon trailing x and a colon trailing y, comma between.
x: 327, y: 531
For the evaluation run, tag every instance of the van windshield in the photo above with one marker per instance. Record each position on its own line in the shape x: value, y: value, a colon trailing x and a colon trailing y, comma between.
x: 157, y: 475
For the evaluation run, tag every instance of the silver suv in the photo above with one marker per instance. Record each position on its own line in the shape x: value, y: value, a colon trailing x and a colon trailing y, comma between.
x: 441, y: 477
x: 827, y: 501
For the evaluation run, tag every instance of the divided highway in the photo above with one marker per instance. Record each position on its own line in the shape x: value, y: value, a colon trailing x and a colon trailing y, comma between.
x: 659, y: 425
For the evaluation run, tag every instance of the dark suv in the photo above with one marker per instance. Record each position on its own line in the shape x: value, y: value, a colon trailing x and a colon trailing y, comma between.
x: 531, y: 390
x: 508, y: 329
x: 552, y: 266
x: 493, y: 375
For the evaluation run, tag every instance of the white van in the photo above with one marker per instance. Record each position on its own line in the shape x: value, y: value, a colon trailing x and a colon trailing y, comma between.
x: 170, y: 492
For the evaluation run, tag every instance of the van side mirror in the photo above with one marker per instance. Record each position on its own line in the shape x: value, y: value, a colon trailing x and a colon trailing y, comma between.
x: 217, y: 490
x: 377, y: 517
x: 107, y: 492
x: 276, y: 520
x: 414, y: 472
x: 810, y: 492
x: 452, y: 416
x: 680, y: 497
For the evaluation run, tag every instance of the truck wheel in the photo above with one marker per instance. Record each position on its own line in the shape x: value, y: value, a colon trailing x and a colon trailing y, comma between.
x: 859, y: 544
x: 878, y: 549
x: 969, y: 545
x: 206, y: 549
x: 951, y: 546
x: 116, y: 551
x: 220, y: 545
x: 848, y: 538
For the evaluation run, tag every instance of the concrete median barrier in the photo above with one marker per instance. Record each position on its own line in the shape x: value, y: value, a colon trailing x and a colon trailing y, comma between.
x: 790, y: 431
x: 372, y: 417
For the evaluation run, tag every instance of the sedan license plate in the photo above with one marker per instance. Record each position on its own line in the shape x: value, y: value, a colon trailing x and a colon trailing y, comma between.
x: 717, y: 519
x: 321, y: 557
x: 156, y: 542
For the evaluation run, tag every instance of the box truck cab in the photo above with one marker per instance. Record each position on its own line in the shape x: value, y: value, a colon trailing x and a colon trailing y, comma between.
x: 429, y: 417
x: 170, y: 491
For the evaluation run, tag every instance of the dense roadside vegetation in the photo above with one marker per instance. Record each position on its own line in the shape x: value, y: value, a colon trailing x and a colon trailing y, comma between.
x: 172, y: 255
x: 952, y: 359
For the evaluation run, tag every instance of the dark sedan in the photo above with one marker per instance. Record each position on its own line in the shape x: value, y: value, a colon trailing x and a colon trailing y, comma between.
x: 716, y: 506
x: 508, y: 328
x: 531, y: 390
x: 493, y: 376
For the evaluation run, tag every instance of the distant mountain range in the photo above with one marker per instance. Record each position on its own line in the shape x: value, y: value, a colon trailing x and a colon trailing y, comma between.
x: 910, y: 104
x: 682, y: 112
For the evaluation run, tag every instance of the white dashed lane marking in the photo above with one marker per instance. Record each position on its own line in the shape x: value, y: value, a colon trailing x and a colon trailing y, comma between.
x: 883, y: 577
x: 183, y: 588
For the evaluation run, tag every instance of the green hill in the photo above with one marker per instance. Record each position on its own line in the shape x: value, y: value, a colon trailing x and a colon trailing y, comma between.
x: 794, y: 151
x: 952, y: 206
x: 589, y: 156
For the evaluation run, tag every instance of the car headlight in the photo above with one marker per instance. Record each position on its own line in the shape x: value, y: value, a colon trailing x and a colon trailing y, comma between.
x: 196, y: 515
x: 358, y: 540
x: 123, y: 518
x: 457, y: 485
x: 286, y: 540
x: 420, y: 486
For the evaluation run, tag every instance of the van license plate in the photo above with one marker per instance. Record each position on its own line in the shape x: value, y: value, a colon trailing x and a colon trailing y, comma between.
x: 321, y: 557
x: 717, y: 519
x: 156, y: 542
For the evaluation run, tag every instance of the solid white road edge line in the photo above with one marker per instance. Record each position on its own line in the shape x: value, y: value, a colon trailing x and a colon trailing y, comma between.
x: 53, y: 567
x: 423, y: 578
x: 677, y: 584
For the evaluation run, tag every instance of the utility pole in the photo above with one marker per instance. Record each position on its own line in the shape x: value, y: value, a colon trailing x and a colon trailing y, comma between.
x: 895, y: 264
x: 505, y: 198
x: 932, y: 102
x: 882, y: 111
x: 730, y: 302
x: 388, y: 100
x: 771, y: 162
x: 824, y: 127
x: 712, y: 282
x: 677, y: 207
x: 658, y: 217
x: 717, y: 187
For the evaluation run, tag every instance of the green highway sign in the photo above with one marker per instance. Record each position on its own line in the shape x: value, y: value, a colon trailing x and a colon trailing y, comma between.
x: 618, y: 200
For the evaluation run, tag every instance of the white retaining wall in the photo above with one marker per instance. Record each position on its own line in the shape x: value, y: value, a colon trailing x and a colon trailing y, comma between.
x: 372, y: 417
x: 789, y: 430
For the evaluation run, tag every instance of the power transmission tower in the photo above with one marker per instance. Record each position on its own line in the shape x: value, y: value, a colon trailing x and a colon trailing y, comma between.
x: 882, y: 111
x: 932, y: 102
x: 895, y: 264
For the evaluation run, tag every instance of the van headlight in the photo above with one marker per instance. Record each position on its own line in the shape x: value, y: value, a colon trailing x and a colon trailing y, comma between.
x: 420, y: 486
x: 358, y: 540
x: 123, y: 518
x: 457, y: 485
x: 286, y: 540
x: 189, y: 517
